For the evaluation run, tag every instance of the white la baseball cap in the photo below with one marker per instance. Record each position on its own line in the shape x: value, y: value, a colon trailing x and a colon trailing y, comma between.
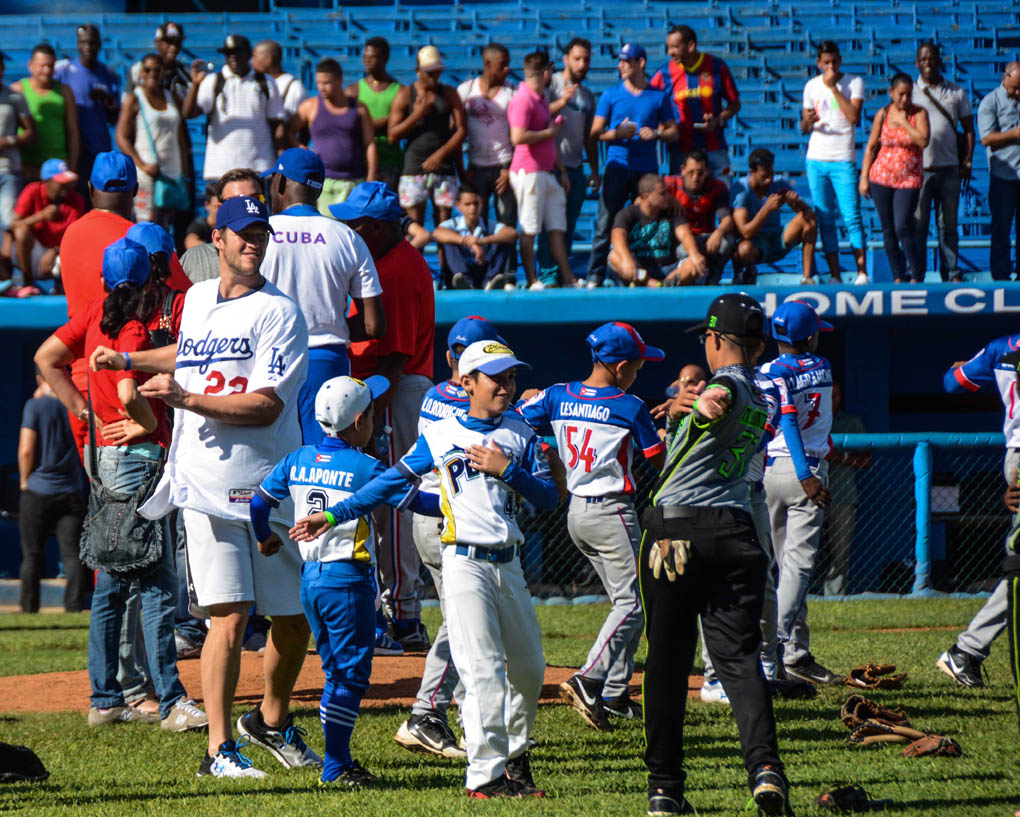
x: 341, y: 399
x: 489, y: 357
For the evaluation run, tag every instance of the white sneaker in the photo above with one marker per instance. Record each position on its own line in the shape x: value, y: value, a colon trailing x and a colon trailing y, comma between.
x: 184, y: 716
x: 536, y: 285
x: 712, y: 692
x: 861, y: 279
x: 510, y: 287
x: 229, y: 762
x: 770, y: 670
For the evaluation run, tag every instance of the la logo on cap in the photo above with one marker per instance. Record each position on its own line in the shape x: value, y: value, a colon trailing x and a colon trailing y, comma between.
x: 252, y: 207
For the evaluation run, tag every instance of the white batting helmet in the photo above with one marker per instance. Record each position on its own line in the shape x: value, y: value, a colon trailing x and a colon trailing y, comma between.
x: 341, y: 399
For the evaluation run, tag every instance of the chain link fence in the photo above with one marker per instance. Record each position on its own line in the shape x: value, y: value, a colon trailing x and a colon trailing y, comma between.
x: 870, y: 541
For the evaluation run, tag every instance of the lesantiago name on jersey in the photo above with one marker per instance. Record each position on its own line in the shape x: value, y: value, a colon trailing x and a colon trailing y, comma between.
x: 706, y: 460
x: 995, y: 365
x: 808, y: 381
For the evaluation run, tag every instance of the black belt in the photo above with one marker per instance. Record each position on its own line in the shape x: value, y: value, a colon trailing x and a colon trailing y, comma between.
x: 694, y: 511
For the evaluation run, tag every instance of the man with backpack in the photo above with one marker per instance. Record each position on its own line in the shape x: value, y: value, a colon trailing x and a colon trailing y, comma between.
x: 244, y: 110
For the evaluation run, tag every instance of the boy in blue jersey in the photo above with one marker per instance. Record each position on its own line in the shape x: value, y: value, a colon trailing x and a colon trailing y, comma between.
x: 486, y: 460
x: 596, y: 424
x: 337, y: 591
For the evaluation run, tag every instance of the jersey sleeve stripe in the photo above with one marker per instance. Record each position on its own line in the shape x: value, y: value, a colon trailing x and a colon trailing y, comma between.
x: 268, y: 498
x: 653, y: 450
x: 963, y: 380
x: 789, y: 409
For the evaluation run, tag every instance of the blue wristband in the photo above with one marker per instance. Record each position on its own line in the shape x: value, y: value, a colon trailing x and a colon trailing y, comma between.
x: 127, y: 361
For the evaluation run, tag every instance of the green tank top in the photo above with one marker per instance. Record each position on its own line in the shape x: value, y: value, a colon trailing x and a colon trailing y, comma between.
x: 379, y: 104
x: 48, y: 112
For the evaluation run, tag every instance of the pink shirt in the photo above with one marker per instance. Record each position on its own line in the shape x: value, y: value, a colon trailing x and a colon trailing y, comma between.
x: 530, y: 111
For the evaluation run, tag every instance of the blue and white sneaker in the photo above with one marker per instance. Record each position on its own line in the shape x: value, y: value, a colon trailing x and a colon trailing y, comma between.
x: 286, y: 743
x: 712, y: 692
x: 386, y: 644
x: 229, y: 762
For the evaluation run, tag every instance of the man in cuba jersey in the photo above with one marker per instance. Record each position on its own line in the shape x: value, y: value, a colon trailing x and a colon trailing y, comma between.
x: 427, y: 729
x: 596, y: 424
x: 337, y: 588
x: 994, y: 366
x: 239, y: 361
x: 796, y: 477
x: 486, y: 461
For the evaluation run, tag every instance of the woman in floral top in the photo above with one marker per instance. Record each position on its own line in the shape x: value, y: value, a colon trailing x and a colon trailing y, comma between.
x: 891, y: 175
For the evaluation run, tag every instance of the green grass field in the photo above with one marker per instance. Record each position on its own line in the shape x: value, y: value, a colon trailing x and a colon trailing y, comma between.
x: 139, y: 770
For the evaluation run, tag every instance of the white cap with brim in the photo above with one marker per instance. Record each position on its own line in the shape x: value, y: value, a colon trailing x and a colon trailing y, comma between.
x: 489, y: 357
x: 341, y: 399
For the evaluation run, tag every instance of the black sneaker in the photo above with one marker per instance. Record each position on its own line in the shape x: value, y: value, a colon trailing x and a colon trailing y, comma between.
x: 286, y: 744
x: 502, y: 786
x: 661, y: 804
x: 518, y: 770
x: 413, y: 639
x: 354, y: 777
x: 587, y: 700
x: 962, y: 667
x: 429, y: 733
x: 807, y: 669
x: 622, y: 706
x: 770, y: 791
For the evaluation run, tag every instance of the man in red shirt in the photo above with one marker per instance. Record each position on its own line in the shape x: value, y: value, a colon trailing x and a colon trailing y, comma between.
x: 404, y: 357
x: 706, y: 205
x: 43, y: 212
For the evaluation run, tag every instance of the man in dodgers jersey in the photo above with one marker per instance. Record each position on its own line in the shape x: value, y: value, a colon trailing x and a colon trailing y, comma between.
x: 240, y: 358
x: 596, y: 422
x: 796, y: 476
x: 995, y: 366
x: 486, y: 460
x: 337, y: 587
x: 427, y: 729
x: 318, y: 262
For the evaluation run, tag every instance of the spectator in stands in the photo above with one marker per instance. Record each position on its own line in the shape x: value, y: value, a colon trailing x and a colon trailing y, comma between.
x: 14, y: 115
x: 404, y: 356
x: 486, y: 99
x: 430, y: 116
x: 630, y: 117
x: 52, y: 498
x: 576, y: 104
x: 51, y: 106
x: 44, y: 211
x: 376, y: 90
x: 341, y: 130
x: 647, y: 237
x: 200, y: 230
x: 704, y: 97
x: 202, y: 262
x: 176, y: 77
x: 947, y: 159
x: 267, y: 58
x: 832, y: 109
x: 153, y: 133
x: 244, y: 110
x: 705, y: 202
x: 537, y: 174
x: 891, y: 175
x: 757, y: 200
x: 999, y: 125
x: 473, y: 256
x: 96, y: 92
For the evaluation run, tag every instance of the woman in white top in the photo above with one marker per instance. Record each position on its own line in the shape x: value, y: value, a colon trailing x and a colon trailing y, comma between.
x: 152, y: 132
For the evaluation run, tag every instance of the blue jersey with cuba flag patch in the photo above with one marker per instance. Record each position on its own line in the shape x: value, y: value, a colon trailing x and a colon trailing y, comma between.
x: 808, y: 380
x: 595, y: 429
x: 995, y: 365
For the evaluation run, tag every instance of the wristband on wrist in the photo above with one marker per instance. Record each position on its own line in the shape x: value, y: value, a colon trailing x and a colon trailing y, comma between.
x: 127, y: 361
x: 505, y: 469
x: 330, y: 518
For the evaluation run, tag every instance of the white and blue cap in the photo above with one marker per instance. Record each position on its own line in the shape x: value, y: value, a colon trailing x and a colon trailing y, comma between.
x: 469, y: 330
x: 341, y: 399
x: 489, y: 357
x: 632, y: 51
x: 301, y: 165
x: 795, y: 321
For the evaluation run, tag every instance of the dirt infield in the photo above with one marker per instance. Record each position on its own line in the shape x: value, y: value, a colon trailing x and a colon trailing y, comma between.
x: 394, y: 683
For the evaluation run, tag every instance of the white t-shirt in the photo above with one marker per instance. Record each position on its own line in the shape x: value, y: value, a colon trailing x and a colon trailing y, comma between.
x: 292, y: 93
x: 239, y: 134
x: 256, y: 341
x: 318, y: 262
x: 488, y: 128
x: 832, y: 139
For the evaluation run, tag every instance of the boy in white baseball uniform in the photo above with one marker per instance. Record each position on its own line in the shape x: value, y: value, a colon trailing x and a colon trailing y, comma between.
x: 486, y: 460
x: 596, y: 423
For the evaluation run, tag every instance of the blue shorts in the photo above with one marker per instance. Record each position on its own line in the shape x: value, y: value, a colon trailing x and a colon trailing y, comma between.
x: 771, y: 245
x: 339, y: 601
x: 324, y: 363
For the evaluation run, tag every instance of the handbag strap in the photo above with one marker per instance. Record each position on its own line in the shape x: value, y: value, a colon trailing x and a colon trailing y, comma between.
x: 145, y: 122
x: 937, y: 104
x: 93, y: 460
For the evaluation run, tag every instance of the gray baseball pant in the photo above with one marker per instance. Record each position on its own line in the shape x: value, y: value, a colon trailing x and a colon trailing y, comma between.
x: 399, y: 565
x: 440, y: 679
x: 606, y: 530
x: 796, y: 534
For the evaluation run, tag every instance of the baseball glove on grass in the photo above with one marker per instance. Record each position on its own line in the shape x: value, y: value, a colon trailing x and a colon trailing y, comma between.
x: 875, y: 676
x: 858, y: 710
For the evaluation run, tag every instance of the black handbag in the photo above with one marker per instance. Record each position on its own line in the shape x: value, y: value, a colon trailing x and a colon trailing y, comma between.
x: 115, y: 539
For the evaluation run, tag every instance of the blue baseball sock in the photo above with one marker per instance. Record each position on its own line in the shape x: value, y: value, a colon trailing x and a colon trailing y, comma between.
x: 338, y: 710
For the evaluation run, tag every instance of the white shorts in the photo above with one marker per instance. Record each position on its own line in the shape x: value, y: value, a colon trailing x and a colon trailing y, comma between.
x: 541, y: 201
x: 225, y: 567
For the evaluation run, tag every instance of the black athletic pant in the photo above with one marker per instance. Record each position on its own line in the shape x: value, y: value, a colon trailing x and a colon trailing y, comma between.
x: 38, y: 516
x: 724, y: 583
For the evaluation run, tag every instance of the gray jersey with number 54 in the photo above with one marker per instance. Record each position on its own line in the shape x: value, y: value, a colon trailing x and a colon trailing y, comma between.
x: 707, y: 459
